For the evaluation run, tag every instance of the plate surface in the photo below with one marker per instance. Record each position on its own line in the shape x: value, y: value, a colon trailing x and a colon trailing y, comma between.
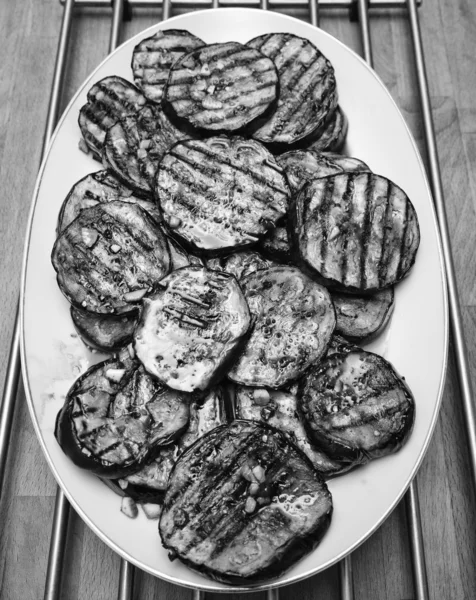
x: 415, y: 341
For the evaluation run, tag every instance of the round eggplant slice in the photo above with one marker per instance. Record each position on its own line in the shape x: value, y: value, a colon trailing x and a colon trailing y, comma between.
x: 135, y: 145
x: 301, y: 166
x: 363, y: 317
x: 98, y: 188
x: 279, y: 408
x: 221, y: 87
x: 221, y: 193
x: 244, y: 504
x: 307, y: 89
x: 109, y: 100
x: 116, y: 415
x: 150, y: 482
x: 331, y: 137
x: 190, y: 329
x: 293, y: 321
x: 357, y: 231
x: 154, y: 56
x: 109, y: 258
x: 240, y: 264
x: 356, y: 407
x: 104, y: 333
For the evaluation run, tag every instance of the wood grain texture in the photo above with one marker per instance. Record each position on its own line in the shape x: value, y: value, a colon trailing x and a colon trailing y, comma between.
x: 382, y: 566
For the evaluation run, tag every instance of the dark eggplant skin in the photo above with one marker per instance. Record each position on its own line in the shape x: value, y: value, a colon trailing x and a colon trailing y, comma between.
x: 293, y: 322
x: 363, y: 317
x: 355, y: 405
x: 244, y: 504
x: 356, y: 232
x: 221, y: 88
x: 192, y: 328
x: 131, y: 415
x: 307, y: 94
x: 109, y: 257
x: 331, y: 137
x: 221, y: 194
x: 106, y: 334
x: 153, y: 57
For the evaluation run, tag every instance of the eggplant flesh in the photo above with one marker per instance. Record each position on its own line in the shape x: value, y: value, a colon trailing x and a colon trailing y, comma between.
x: 244, y: 504
x: 358, y: 232
x: 115, y: 416
x: 150, y: 482
x: 363, y: 317
x: 109, y: 257
x: 356, y: 407
x: 190, y: 329
x: 279, y: 408
x: 293, y: 320
x: 97, y: 188
x: 277, y: 244
x: 239, y: 264
x: 106, y: 334
x: 221, y: 193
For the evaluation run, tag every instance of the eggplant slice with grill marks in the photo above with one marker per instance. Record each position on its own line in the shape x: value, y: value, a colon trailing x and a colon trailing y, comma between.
x: 221, y: 193
x: 302, y: 166
x: 106, y: 334
x: 110, y: 257
x: 116, y: 416
x: 135, y: 145
x: 239, y: 264
x: 150, y: 482
x: 109, y: 100
x: 244, y: 504
x: 190, y: 329
x: 357, y: 231
x: 307, y: 89
x: 279, y: 408
x: 356, y: 407
x: 293, y: 322
x: 363, y: 317
x: 221, y: 87
x: 154, y: 56
x: 331, y: 137
x: 97, y: 188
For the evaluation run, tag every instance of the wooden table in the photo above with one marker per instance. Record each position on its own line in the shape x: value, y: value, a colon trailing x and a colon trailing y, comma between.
x: 382, y: 568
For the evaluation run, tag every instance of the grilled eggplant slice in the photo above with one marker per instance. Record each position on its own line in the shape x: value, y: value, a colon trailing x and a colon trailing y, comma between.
x: 363, y: 317
x: 135, y: 145
x: 307, y: 92
x: 154, y: 56
x: 239, y: 264
x: 358, y: 231
x: 109, y: 258
x: 221, y: 87
x: 221, y: 193
x: 356, y: 407
x: 301, y: 166
x: 150, y: 483
x: 116, y: 415
x: 279, y: 408
x: 106, y: 334
x: 293, y: 322
x: 109, y: 100
x: 191, y: 327
x: 97, y: 188
x: 244, y: 504
x: 331, y: 137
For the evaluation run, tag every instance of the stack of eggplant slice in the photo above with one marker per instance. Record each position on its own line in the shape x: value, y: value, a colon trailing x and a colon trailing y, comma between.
x: 229, y: 259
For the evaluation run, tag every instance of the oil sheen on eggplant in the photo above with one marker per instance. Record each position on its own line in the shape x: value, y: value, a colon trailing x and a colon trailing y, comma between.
x: 192, y: 327
x: 244, y: 504
x: 221, y: 193
x: 356, y: 407
x: 116, y: 415
x: 293, y: 320
x: 279, y: 408
x: 109, y: 257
